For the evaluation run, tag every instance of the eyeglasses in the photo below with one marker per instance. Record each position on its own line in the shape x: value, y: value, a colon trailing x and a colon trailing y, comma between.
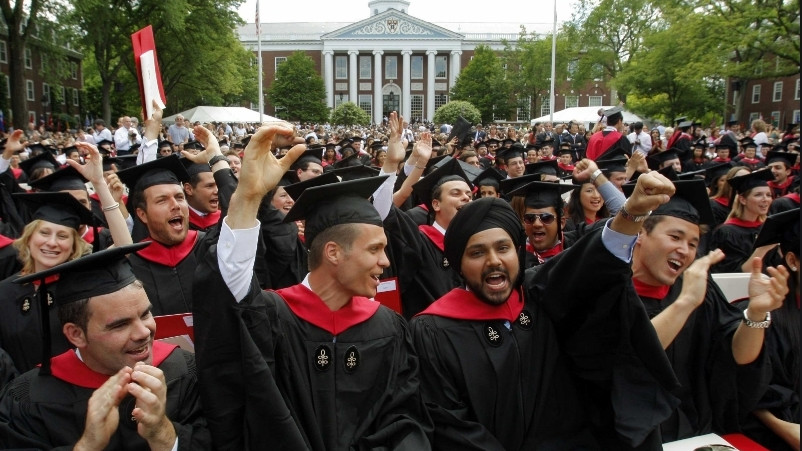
x: 545, y: 218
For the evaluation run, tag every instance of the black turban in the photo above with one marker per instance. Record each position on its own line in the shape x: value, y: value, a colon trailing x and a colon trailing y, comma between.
x: 476, y: 216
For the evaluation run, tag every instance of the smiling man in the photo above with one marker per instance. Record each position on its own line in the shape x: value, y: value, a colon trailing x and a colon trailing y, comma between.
x: 202, y: 197
x: 111, y: 391
x: 519, y: 361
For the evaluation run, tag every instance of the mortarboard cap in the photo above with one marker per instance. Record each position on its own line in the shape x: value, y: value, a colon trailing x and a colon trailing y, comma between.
x: 310, y: 155
x: 355, y: 172
x: 744, y: 183
x: 685, y: 124
x: 193, y: 169
x: 43, y: 160
x: 109, y: 161
x: 125, y: 161
x: 471, y: 171
x: 67, y: 150
x: 732, y: 121
x: 334, y: 204
x: 654, y: 161
x: 104, y: 142
x: 789, y: 158
x: 509, y: 141
x: 493, y: 141
x: 58, y: 208
x: 689, y: 202
x: 712, y: 173
x: 489, y: 177
x: 691, y: 175
x: 614, y: 152
x: 295, y: 189
x: 780, y: 228
x: 748, y: 142
x: 196, y: 145
x: 96, y: 274
x: 350, y: 160
x: 509, y: 185
x: 424, y: 187
x: 548, y: 167
x: 63, y: 179
x: 543, y: 194
x: 613, y: 111
x: 36, y: 149
x: 517, y: 150
x: 461, y: 130
x: 164, y: 171
x: 617, y: 164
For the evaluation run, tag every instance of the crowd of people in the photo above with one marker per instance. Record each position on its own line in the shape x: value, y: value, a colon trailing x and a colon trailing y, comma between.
x: 398, y: 286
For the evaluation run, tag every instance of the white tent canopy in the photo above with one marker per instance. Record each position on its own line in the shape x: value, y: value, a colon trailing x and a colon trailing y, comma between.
x: 584, y: 114
x: 230, y: 114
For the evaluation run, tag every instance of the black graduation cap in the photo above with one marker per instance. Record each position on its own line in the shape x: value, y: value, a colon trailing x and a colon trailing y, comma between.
x: 616, y: 110
x: 744, y: 183
x: 565, y: 148
x: 471, y: 171
x: 125, y: 161
x: 193, y: 168
x: 89, y: 276
x: 310, y: 155
x: 345, y: 142
x: 654, y: 161
x: 43, y: 160
x: 104, y: 142
x: 164, y: 171
x: 489, y: 177
x: 747, y: 141
x: 355, y: 172
x: 713, y: 172
x: 493, y: 141
x: 109, y: 161
x: 617, y: 164
x: 517, y: 150
x: 614, y: 152
x: 334, y: 204
x: 789, y: 158
x: 700, y: 144
x: 461, y: 130
x: 780, y: 228
x: 548, y: 167
x: 56, y: 207
x: 543, y: 194
x: 295, y: 189
x: 732, y: 121
x: 685, y: 124
x: 193, y: 145
x: 67, y: 150
x: 680, y: 119
x: 377, y: 145
x: 509, y: 185
x: 691, y: 175
x: 530, y: 146
x: 241, y: 145
x: 63, y: 179
x: 350, y: 160
x: 36, y: 149
x: 509, y: 141
x: 165, y: 144
x: 689, y: 202
x: 423, y: 188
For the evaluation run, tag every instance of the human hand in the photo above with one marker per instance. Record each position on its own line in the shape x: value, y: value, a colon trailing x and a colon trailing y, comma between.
x: 395, y: 124
x: 93, y: 169
x: 652, y: 190
x: 694, y: 279
x: 261, y: 171
x: 584, y: 168
x: 13, y: 144
x: 210, y: 144
x: 766, y: 294
x: 149, y: 388
x: 116, y: 187
x: 102, y: 415
x: 638, y: 163
x: 423, y: 147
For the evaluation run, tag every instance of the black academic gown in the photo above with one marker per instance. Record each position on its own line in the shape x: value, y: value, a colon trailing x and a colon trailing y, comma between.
x: 21, y: 324
x: 281, y: 370
x: 418, y: 262
x: 49, y: 411
x: 564, y: 373
x: 716, y: 393
x: 9, y: 263
x: 785, y: 203
x: 735, y: 238
x: 781, y: 397
x: 285, y: 256
x: 167, y: 273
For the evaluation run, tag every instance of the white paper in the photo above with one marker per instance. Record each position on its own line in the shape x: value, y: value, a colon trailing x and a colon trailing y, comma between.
x: 150, y: 83
x: 690, y: 444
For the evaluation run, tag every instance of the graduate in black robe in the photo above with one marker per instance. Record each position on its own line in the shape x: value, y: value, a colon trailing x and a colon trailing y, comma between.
x: 49, y: 407
x: 557, y: 365
x: 610, y: 139
x: 283, y: 368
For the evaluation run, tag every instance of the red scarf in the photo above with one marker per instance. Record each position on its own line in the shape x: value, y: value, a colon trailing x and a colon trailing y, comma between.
x: 460, y: 303
x: 650, y: 291
x: 599, y: 144
x: 5, y: 241
x: 204, y: 222
x: 794, y: 197
x: 721, y: 160
x: 723, y: 201
x: 742, y: 223
x: 568, y: 167
x: 169, y: 256
x: 309, y: 307
x: 542, y: 257
x: 89, y: 236
x: 69, y: 368
x: 17, y: 172
x: 434, y: 236
x: 783, y: 187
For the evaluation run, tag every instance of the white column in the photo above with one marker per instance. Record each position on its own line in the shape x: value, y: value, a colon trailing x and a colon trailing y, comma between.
x: 455, y: 67
x: 328, y: 76
x: 377, y: 86
x: 430, y: 85
x: 406, y: 89
x: 353, y: 75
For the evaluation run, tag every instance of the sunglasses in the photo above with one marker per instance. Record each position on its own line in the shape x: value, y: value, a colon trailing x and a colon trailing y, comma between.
x: 545, y: 218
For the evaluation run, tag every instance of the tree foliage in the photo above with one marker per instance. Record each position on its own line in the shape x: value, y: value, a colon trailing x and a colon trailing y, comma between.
x: 448, y: 113
x: 484, y: 85
x: 349, y: 114
x: 298, y: 92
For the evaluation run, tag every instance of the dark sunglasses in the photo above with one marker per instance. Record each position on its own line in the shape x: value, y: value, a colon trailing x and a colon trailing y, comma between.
x: 545, y: 218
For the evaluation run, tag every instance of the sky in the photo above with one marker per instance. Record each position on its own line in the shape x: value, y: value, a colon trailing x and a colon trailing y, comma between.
x: 435, y: 11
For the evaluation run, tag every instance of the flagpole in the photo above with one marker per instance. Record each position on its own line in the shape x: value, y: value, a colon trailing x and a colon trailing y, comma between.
x: 259, y: 49
x: 553, y: 64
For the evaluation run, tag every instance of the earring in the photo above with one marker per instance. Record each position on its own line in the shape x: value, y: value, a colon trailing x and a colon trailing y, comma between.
x: 793, y: 268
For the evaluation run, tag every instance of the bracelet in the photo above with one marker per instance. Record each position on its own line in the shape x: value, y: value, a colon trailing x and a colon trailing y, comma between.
x: 757, y: 324
x: 595, y: 175
x: 112, y: 207
x: 216, y: 159
x: 630, y: 217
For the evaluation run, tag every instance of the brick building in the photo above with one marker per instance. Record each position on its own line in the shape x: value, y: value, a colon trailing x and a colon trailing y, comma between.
x: 775, y: 99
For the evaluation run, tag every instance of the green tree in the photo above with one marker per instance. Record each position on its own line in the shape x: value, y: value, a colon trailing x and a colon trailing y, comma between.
x: 484, y: 85
x: 448, y: 113
x: 348, y: 114
x: 298, y: 90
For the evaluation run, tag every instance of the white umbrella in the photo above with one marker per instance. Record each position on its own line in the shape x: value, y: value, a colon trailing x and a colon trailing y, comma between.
x: 584, y: 114
x: 230, y: 114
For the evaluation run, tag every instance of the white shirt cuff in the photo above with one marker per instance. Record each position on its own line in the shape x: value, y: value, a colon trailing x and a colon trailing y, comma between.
x: 236, y: 254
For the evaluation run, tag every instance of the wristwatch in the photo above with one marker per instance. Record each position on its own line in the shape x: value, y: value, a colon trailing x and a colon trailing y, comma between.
x: 757, y: 324
x: 595, y: 175
x: 216, y: 159
x: 630, y: 217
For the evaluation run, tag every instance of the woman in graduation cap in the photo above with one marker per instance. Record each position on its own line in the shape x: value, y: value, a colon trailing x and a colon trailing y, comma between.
x: 748, y: 211
x: 586, y: 206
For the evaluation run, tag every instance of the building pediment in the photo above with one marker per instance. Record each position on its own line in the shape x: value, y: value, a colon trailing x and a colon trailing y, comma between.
x: 392, y: 24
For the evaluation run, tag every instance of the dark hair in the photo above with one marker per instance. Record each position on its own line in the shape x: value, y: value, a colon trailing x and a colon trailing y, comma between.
x: 342, y: 234
x: 575, y: 210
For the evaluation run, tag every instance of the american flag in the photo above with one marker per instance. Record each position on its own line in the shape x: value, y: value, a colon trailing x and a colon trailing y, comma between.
x: 258, y: 27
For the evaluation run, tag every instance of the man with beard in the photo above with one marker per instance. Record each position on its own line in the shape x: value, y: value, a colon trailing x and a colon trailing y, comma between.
x: 542, y: 360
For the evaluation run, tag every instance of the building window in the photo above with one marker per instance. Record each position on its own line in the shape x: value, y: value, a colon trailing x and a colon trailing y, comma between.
x: 595, y: 101
x: 775, y: 118
x: 3, y: 52
x: 416, y: 71
x: 339, y: 99
x: 29, y: 89
x: 573, y: 66
x: 278, y: 61
x: 74, y: 97
x: 545, y: 107
x: 796, y: 117
x: 778, y: 91
x: 28, y: 59
x: 43, y: 61
x: 74, y: 70
x: 63, y: 96
x: 366, y: 103
x: 756, y: 94
x: 340, y: 67
x: 523, y: 109
x: 8, y: 87
x: 440, y: 100
x: 796, y: 91
x: 391, y: 67
x: 571, y: 101
x: 364, y: 67
x: 753, y: 117
x: 46, y: 93
x: 416, y: 109
x: 440, y: 63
